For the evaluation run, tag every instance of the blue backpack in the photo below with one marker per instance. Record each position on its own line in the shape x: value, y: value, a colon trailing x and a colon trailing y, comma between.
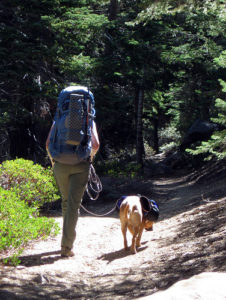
x: 70, y: 138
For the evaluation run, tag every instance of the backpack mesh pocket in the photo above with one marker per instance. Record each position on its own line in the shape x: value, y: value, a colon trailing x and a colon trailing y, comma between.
x: 75, y: 120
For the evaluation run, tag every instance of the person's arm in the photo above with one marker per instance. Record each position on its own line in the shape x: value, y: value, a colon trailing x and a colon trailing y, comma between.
x: 95, y: 140
x: 47, y: 144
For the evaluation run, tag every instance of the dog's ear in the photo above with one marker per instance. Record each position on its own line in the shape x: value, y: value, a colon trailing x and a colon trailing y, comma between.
x: 145, y: 203
x: 153, y: 214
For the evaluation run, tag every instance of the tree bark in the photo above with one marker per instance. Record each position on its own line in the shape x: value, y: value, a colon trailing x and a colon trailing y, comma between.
x: 155, y: 135
x: 139, y: 128
x: 113, y: 10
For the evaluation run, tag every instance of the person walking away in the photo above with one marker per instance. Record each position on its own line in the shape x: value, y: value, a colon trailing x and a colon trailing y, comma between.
x: 72, y: 178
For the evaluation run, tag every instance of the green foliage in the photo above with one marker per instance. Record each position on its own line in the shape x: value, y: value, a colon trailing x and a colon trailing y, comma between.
x: 44, y: 45
x: 169, y: 138
x: 157, y: 8
x: 168, y: 49
x: 78, y: 30
x: 118, y: 168
x: 20, y: 224
x: 198, y: 40
x: 30, y: 182
x: 216, y: 145
x: 221, y: 61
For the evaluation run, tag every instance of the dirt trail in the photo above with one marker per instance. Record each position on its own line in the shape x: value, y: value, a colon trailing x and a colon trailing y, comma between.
x: 188, y: 239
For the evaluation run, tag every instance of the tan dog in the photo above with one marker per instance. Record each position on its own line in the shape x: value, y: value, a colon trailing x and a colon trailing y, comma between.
x: 132, y: 216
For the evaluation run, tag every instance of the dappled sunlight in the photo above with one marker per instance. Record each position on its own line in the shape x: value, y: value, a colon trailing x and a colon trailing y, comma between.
x: 187, y: 240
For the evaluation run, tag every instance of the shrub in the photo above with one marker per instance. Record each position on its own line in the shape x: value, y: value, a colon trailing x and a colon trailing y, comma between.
x: 20, y: 223
x: 119, y: 168
x: 30, y: 182
x: 168, y: 139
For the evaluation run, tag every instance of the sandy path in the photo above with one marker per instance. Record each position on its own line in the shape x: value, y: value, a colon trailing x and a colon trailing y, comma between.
x: 182, y: 244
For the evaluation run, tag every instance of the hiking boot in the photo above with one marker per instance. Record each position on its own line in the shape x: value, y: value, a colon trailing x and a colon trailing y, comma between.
x: 66, y: 252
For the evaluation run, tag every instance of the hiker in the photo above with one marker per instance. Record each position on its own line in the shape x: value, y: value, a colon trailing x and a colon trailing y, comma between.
x: 71, y: 169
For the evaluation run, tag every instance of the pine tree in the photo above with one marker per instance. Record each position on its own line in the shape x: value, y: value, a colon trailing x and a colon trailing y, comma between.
x: 216, y: 145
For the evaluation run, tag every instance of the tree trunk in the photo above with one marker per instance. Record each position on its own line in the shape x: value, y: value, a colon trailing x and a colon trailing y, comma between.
x: 113, y: 10
x: 155, y: 135
x: 139, y: 128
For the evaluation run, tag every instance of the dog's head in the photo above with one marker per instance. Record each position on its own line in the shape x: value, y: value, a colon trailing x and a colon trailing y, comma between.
x: 148, y: 225
x: 153, y: 214
x: 150, y: 211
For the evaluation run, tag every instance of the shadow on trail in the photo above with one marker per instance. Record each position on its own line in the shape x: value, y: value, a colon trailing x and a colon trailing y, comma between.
x: 198, y: 247
x: 38, y: 259
x: 44, y: 258
x: 174, y: 195
x: 163, y: 192
x: 180, y: 195
x: 111, y: 256
x: 203, y: 226
x: 126, y: 285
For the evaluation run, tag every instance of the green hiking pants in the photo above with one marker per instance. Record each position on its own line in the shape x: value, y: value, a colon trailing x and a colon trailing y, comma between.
x: 71, y: 181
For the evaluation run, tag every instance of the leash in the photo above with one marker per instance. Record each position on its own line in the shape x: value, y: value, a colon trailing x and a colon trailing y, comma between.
x: 98, y: 215
x: 94, y: 185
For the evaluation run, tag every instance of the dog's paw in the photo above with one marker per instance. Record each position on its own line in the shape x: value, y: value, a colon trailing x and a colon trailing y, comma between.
x: 133, y: 250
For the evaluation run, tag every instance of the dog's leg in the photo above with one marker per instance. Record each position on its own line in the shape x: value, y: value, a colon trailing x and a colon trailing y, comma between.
x: 124, y: 230
x: 133, y: 246
x: 139, y: 236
